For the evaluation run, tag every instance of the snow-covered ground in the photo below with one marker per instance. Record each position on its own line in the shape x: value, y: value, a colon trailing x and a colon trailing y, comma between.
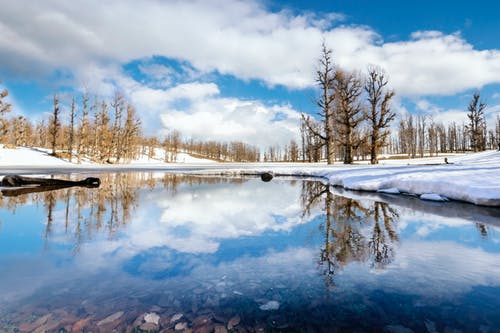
x: 473, y: 178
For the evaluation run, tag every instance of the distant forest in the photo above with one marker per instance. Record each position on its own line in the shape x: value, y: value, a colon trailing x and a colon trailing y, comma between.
x: 354, y: 122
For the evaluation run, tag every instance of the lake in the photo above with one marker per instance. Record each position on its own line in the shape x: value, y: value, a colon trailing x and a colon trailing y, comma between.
x: 155, y: 252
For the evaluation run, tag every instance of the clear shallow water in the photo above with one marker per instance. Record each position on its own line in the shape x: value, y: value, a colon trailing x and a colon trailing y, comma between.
x: 284, y: 256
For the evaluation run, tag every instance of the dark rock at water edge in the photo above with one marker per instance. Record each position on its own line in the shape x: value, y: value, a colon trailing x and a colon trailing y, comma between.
x: 266, y: 176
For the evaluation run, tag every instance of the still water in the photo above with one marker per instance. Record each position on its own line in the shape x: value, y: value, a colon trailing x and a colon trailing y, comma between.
x: 153, y: 252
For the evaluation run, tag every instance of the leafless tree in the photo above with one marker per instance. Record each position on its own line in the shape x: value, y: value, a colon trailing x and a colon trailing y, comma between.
x: 83, y: 133
x: 379, y: 114
x: 4, y: 109
x: 71, y: 129
x: 131, y: 133
x: 348, y: 111
x: 312, y: 141
x: 118, y: 106
x: 55, y: 124
x: 325, y: 77
x: 497, y: 131
x: 476, y: 127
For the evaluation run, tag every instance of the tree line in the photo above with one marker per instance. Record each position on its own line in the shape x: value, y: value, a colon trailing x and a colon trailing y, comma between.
x: 107, y: 131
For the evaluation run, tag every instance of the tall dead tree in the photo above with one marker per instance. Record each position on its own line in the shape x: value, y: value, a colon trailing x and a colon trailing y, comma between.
x: 83, y: 132
x: 497, y: 131
x: 4, y: 108
x: 71, y: 130
x: 477, y: 124
x: 118, y: 106
x: 421, y: 134
x: 55, y: 124
x: 325, y: 77
x: 348, y: 111
x: 312, y: 141
x: 130, y: 134
x: 379, y: 114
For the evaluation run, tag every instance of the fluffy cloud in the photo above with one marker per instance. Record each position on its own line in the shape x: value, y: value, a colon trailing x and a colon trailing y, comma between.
x: 226, y: 119
x: 90, y: 42
x: 459, y: 116
x: 240, y: 38
x: 196, y: 108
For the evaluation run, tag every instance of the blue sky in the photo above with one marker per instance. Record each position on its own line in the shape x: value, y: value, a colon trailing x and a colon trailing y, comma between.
x: 244, y: 70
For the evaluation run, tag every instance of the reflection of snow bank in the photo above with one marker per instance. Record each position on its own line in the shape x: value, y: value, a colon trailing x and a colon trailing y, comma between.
x: 391, y: 190
x: 432, y: 197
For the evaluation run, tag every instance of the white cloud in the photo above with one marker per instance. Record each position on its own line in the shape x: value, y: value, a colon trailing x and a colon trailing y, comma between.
x: 92, y: 40
x: 240, y: 38
x: 197, y: 110
x: 441, y: 115
x: 161, y: 75
x: 229, y: 119
x: 459, y: 116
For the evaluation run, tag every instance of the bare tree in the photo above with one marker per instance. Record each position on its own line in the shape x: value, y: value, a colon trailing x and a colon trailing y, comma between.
x: 131, y: 133
x: 83, y: 134
x: 325, y: 77
x: 379, y: 114
x: 477, y: 124
x: 71, y: 130
x: 421, y: 134
x: 293, y: 151
x: 497, y: 131
x: 18, y: 131
x: 348, y: 111
x: 103, y: 144
x: 312, y: 141
x: 4, y: 108
x: 55, y: 124
x: 118, y: 106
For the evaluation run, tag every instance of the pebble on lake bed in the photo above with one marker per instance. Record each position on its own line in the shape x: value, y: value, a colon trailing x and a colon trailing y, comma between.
x: 233, y: 322
x: 271, y: 305
x: 152, y: 318
x: 176, y: 317
x: 180, y: 326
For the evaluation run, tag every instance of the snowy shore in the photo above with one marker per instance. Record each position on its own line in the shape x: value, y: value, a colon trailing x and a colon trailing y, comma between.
x: 473, y: 178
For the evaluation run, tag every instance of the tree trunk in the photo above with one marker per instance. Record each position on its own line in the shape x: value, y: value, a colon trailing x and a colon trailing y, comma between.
x: 373, y: 148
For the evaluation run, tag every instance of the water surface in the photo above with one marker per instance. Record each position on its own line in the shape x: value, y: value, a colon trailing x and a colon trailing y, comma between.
x: 205, y: 253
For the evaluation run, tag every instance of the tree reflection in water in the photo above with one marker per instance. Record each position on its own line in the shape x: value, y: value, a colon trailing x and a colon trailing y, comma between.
x: 353, y: 231
x: 89, y: 212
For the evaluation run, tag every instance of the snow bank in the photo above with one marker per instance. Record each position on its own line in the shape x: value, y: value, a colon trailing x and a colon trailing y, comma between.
x: 24, y: 156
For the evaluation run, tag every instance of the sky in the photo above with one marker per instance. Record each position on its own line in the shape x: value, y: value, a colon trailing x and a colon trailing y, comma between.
x: 244, y: 70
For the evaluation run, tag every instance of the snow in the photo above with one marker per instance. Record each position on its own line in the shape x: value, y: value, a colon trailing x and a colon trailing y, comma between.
x: 158, y: 159
x: 29, y: 156
x: 473, y: 178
